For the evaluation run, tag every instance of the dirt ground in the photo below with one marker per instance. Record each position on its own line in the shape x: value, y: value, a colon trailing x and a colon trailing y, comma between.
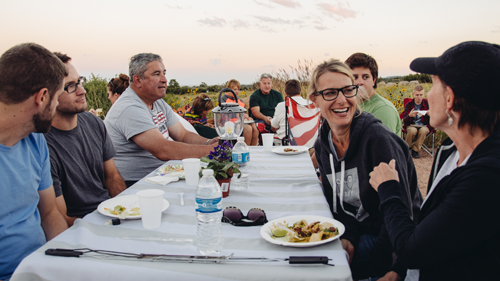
x: 423, y: 166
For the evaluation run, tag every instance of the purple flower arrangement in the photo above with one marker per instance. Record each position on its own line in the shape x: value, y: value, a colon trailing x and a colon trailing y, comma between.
x: 221, y: 161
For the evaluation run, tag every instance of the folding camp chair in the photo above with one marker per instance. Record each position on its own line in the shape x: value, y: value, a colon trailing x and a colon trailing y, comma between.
x: 301, y: 123
x: 431, y: 133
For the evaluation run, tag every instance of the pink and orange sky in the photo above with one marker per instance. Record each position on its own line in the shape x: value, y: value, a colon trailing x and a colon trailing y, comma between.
x: 214, y: 41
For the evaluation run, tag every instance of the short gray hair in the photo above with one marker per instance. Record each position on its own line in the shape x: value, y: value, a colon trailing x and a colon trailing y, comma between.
x: 266, y: 75
x: 138, y: 64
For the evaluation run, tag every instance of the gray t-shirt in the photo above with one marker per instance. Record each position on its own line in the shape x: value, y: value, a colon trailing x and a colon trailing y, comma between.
x: 77, y: 161
x: 130, y: 116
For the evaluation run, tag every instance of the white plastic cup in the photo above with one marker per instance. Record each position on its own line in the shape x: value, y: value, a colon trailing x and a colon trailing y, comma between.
x: 151, y: 204
x: 267, y: 139
x: 191, y: 170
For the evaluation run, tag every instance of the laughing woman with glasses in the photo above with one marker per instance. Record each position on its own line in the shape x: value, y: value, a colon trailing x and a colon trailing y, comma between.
x: 350, y: 145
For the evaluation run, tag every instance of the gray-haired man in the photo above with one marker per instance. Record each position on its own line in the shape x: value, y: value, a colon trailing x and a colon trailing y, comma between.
x: 263, y: 102
x: 140, y: 122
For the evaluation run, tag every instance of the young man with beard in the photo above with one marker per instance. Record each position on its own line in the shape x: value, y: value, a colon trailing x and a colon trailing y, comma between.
x: 81, y: 152
x: 31, y: 80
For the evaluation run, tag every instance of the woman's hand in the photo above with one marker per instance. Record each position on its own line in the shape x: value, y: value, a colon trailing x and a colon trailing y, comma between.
x: 383, y: 173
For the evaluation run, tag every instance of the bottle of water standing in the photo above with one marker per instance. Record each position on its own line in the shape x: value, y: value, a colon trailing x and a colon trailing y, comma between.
x: 209, y: 214
x: 241, y: 152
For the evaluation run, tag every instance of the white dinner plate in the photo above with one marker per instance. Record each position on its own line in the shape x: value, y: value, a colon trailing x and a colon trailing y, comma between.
x: 281, y: 150
x: 265, y: 231
x: 161, y: 172
x: 127, y: 201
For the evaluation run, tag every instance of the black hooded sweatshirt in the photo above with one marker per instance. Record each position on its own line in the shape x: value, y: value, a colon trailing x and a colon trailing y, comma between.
x: 370, y: 143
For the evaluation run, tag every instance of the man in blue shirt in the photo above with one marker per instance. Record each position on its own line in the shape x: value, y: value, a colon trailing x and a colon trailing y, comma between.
x: 31, y: 80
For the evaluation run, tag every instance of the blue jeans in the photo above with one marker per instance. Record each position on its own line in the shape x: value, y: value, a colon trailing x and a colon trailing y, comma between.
x: 360, y: 258
x: 366, y: 243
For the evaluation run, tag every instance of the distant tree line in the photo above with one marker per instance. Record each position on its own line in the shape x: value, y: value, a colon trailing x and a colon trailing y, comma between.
x: 422, y: 78
x: 175, y: 88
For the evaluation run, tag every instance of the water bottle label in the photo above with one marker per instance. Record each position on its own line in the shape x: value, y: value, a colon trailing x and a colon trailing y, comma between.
x: 241, y: 157
x: 209, y: 205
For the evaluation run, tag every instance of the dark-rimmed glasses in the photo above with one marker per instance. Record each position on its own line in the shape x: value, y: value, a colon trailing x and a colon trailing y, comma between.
x: 234, y: 216
x: 332, y: 93
x: 73, y: 86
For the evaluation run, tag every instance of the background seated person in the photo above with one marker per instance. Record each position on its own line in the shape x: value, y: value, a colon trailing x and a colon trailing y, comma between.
x: 417, y: 126
x: 292, y: 90
x: 117, y: 86
x: 197, y: 116
x: 140, y: 123
x: 263, y: 102
x: 250, y: 131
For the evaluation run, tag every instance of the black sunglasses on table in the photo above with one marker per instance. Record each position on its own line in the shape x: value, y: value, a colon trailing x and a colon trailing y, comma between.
x: 332, y: 93
x: 234, y: 216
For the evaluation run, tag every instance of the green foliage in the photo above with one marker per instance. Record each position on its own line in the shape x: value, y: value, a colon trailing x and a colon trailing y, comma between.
x: 97, y: 96
x: 173, y: 83
x: 422, y: 78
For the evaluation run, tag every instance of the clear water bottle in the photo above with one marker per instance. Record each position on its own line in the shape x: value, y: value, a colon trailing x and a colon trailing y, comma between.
x: 241, y: 153
x: 209, y: 214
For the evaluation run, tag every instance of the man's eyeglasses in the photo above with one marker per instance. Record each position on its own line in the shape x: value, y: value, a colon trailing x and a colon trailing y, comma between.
x: 331, y: 94
x: 235, y: 217
x: 73, y: 86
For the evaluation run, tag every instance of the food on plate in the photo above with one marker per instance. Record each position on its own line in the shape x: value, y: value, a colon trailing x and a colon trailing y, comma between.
x: 290, y: 150
x: 171, y: 169
x: 122, y: 211
x: 302, y: 232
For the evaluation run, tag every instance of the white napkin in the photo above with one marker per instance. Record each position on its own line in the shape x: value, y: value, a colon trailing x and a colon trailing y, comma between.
x: 161, y: 180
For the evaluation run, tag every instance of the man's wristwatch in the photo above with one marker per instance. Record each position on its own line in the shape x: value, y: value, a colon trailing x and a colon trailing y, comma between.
x: 208, y: 141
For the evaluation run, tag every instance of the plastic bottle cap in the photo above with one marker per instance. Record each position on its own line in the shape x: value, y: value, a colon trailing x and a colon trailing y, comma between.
x: 241, y: 139
x: 207, y: 172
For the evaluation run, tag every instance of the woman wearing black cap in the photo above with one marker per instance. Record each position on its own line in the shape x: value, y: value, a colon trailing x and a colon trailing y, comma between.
x: 457, y: 236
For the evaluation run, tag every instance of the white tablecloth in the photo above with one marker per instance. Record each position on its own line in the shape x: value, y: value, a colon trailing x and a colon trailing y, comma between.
x: 281, y: 185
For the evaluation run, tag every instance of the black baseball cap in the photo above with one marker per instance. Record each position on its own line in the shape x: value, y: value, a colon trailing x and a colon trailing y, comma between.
x: 470, y: 68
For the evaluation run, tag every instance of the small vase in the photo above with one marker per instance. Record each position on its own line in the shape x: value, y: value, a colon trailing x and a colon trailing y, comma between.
x: 224, y: 186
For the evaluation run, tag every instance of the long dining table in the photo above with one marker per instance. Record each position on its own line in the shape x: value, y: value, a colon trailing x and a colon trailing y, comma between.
x: 281, y: 185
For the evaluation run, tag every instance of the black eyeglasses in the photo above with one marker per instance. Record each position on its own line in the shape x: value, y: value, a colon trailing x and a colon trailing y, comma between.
x: 331, y: 94
x: 234, y: 216
x: 73, y: 86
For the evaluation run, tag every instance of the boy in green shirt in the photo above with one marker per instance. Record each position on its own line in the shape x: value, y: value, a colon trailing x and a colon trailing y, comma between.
x: 365, y: 71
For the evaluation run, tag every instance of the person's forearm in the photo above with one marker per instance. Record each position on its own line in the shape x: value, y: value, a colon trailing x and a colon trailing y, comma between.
x: 259, y: 115
x: 53, y: 223
x: 193, y: 138
x: 115, y: 184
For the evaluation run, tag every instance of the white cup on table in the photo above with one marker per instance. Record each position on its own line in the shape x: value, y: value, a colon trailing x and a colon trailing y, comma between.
x: 151, y: 204
x: 267, y: 140
x: 191, y: 170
